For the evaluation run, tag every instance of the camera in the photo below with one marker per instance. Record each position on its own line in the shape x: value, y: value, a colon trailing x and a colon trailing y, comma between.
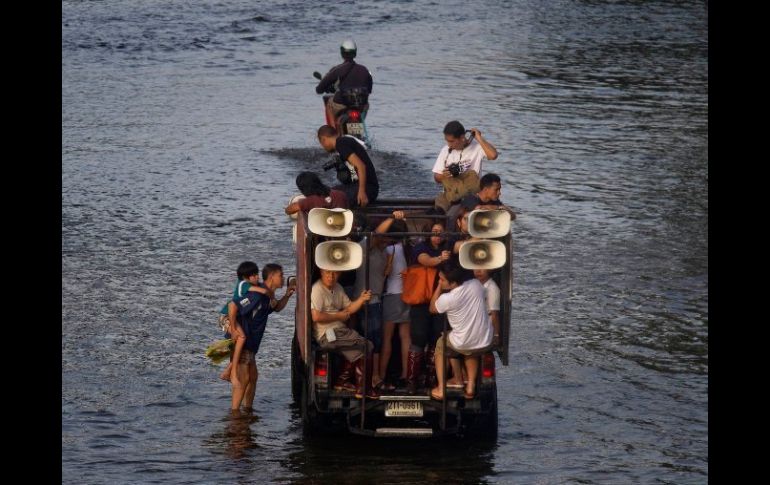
x: 334, y: 162
x: 343, y: 173
x: 454, y: 169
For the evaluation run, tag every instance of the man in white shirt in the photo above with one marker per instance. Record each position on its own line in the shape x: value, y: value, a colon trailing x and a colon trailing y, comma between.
x: 464, y: 303
x: 458, y: 165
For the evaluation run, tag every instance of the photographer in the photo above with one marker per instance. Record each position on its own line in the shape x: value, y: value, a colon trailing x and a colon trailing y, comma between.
x: 354, y: 170
x: 458, y: 165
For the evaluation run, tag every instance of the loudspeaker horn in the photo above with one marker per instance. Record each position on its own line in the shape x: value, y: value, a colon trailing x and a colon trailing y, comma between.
x: 482, y: 254
x: 489, y: 223
x: 330, y: 222
x: 338, y: 255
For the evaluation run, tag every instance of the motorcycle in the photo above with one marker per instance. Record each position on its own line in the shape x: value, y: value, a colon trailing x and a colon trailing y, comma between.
x: 351, y: 120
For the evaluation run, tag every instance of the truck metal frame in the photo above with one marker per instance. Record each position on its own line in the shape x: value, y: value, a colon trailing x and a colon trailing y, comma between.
x: 313, y: 371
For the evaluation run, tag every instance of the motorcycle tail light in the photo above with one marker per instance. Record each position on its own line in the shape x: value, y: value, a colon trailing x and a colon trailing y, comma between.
x: 321, y: 365
x: 354, y: 115
x: 488, y: 365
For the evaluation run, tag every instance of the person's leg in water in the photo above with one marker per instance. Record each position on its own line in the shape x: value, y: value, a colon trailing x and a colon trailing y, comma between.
x: 251, y: 387
x: 236, y: 333
x: 239, y: 379
x: 239, y: 343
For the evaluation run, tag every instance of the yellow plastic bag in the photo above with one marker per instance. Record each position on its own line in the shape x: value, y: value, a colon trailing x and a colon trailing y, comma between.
x: 220, y: 350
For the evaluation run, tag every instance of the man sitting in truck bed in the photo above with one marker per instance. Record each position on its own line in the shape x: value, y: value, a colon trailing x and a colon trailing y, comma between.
x: 464, y: 302
x: 330, y: 307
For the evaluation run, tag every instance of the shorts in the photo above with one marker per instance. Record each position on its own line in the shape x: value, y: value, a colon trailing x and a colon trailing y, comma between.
x: 348, y: 343
x: 247, y: 356
x: 253, y: 341
x: 454, y: 353
x: 394, y: 309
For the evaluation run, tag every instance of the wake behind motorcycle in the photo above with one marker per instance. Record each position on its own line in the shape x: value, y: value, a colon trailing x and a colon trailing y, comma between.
x: 352, y: 119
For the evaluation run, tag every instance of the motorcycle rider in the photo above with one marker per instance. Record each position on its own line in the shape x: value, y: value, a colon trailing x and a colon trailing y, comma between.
x: 345, y: 77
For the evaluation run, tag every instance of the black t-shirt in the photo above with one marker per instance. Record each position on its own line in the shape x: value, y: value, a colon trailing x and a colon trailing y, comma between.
x: 355, y: 76
x: 472, y: 200
x: 426, y: 247
x: 347, y: 145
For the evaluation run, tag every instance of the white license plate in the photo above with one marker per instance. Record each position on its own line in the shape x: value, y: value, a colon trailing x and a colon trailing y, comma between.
x: 410, y: 409
x: 355, y: 128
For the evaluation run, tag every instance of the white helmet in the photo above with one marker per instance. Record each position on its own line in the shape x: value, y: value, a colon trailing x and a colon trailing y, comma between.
x: 348, y: 49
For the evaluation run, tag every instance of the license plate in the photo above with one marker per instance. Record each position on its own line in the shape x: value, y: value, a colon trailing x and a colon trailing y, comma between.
x: 355, y: 128
x: 403, y: 408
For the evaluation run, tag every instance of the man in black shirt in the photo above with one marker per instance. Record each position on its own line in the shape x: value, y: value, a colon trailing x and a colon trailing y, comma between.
x: 488, y: 196
x: 344, y: 77
x: 360, y: 181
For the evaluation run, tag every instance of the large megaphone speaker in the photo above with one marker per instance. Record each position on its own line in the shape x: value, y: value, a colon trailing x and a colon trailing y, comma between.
x: 489, y: 223
x: 330, y: 222
x: 482, y: 254
x: 338, y: 255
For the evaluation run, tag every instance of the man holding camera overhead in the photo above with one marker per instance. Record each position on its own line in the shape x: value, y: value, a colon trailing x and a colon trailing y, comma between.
x: 354, y: 169
x: 458, y: 165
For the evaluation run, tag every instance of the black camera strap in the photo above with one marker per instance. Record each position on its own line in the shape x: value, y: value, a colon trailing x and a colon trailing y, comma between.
x: 459, y: 159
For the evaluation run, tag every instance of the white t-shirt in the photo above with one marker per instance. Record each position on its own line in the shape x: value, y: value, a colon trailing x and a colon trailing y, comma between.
x: 324, y: 299
x: 469, y: 158
x: 466, y: 311
x: 394, y: 285
x: 493, y: 295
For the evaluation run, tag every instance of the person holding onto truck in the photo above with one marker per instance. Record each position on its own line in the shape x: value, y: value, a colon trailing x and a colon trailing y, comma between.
x: 330, y: 307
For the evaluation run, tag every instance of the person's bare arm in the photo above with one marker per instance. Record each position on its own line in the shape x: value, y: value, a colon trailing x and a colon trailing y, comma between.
x: 281, y: 304
x: 494, y: 315
x: 291, y: 208
x: 431, y: 261
x: 359, y: 302
x: 439, y: 177
x: 383, y: 227
x: 489, y: 150
x: 360, y: 166
x: 326, y: 317
x: 433, y: 299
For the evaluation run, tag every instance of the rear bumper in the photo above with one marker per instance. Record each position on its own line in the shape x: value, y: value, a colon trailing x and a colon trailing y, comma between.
x: 345, y: 410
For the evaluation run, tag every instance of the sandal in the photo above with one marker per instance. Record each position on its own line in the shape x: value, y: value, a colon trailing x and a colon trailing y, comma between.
x: 467, y: 395
x: 437, y: 398
x: 383, y: 386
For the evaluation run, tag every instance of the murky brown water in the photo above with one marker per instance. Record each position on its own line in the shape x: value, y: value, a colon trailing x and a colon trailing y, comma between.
x: 184, y: 126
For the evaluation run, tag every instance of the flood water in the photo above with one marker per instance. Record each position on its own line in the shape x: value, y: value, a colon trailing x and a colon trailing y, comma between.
x: 184, y: 125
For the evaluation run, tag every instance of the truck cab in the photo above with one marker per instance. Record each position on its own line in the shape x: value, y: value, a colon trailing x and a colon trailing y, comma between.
x: 396, y: 413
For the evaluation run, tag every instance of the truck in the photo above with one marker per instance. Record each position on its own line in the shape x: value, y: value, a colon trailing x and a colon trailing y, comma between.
x: 396, y: 413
